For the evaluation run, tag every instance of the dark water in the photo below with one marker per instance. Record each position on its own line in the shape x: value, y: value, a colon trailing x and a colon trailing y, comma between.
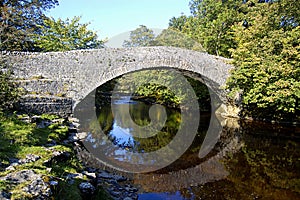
x: 249, y: 160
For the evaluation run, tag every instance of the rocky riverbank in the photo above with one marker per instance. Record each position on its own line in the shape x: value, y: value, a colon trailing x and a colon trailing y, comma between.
x: 43, y: 163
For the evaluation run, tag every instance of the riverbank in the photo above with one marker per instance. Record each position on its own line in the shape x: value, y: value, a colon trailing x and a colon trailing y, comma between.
x: 38, y: 160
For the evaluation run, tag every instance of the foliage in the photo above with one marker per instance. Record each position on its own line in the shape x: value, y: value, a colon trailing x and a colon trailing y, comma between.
x: 19, y: 20
x: 178, y: 23
x: 9, y: 92
x: 145, y: 83
x: 262, y: 38
x: 144, y: 36
x: 59, y: 35
x: 146, y: 88
x: 140, y: 37
x: 210, y: 24
x: 175, y: 38
x: 267, y: 62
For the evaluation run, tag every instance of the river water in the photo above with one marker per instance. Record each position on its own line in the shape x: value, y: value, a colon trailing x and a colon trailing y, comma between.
x: 249, y: 160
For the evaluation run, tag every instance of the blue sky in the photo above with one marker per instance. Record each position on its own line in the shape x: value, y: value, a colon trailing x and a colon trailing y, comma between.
x: 112, y: 17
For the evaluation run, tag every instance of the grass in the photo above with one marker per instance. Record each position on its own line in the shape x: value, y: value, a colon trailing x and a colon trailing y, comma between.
x: 18, y: 139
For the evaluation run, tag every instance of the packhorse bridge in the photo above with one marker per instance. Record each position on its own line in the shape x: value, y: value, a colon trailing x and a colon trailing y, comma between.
x: 56, y: 81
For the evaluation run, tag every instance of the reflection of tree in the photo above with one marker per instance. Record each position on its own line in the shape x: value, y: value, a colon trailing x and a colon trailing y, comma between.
x: 268, y: 165
x: 139, y: 114
x: 105, y: 118
x: 116, y: 125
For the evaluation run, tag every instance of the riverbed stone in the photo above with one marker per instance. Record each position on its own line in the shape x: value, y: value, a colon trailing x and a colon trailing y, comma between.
x: 38, y: 188
x: 106, y: 175
x: 90, y: 175
x: 5, y: 195
x: 57, y: 156
x: 10, y: 168
x: 29, y: 158
x: 13, y: 160
x: 87, y: 188
x: 21, y: 176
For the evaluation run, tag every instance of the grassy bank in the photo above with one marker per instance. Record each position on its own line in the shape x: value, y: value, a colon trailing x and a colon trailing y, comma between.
x: 19, y: 139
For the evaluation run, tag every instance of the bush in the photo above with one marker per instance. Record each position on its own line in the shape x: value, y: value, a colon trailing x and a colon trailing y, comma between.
x: 9, y: 92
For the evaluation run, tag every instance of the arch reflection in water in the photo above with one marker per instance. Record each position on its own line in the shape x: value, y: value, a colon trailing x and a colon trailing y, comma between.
x: 145, y: 159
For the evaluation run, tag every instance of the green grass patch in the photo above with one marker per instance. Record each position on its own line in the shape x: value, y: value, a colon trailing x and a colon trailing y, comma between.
x: 18, y: 139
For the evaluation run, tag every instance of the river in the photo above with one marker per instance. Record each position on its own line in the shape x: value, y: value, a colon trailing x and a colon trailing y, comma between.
x: 249, y: 160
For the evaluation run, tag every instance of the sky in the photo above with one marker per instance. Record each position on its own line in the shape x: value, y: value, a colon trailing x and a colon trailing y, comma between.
x: 109, y: 18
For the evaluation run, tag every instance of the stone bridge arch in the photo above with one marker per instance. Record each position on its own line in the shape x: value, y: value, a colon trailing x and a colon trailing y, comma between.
x: 74, y: 74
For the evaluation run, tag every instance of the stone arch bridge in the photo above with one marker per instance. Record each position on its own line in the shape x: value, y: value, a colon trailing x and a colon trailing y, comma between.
x: 57, y: 81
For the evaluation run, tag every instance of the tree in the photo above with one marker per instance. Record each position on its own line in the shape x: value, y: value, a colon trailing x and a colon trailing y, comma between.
x: 267, y: 60
x: 140, y: 37
x: 174, y: 38
x: 211, y: 23
x: 19, y: 20
x: 178, y: 23
x: 59, y: 35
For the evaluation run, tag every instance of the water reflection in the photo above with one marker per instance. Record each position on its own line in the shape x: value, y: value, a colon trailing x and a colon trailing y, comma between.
x: 249, y: 160
x: 122, y: 134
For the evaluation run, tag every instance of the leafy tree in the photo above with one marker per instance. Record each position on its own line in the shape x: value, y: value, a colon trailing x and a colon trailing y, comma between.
x: 211, y: 23
x: 20, y: 19
x: 178, y: 23
x: 170, y: 37
x: 144, y: 36
x: 59, y: 35
x: 262, y: 37
x: 267, y: 60
x: 140, y: 37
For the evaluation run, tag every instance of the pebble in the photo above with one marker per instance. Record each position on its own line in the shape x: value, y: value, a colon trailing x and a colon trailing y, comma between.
x: 81, y: 135
x: 53, y: 183
x: 38, y: 188
x: 89, y: 175
x: 4, y: 195
x: 10, y: 168
x: 87, y: 188
x: 29, y: 158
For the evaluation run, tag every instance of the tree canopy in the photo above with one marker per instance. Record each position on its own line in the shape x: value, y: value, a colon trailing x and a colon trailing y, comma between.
x: 59, y: 35
x: 210, y: 24
x: 19, y: 20
x: 267, y: 60
x: 140, y: 37
x: 143, y: 36
x: 174, y: 38
x: 262, y: 38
